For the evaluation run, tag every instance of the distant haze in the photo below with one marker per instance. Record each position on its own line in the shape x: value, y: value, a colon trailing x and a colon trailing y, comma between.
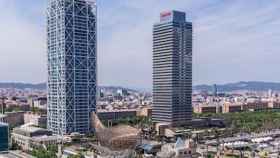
x: 233, y: 40
x: 229, y: 87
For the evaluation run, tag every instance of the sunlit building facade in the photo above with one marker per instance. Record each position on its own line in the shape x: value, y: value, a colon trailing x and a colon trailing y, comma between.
x: 172, y: 69
x: 71, y: 49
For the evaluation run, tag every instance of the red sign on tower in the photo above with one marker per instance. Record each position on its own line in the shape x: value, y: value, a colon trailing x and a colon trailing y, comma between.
x: 165, y: 14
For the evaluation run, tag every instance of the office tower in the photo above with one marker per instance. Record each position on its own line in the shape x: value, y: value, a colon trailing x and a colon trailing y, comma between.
x: 4, y: 137
x: 71, y: 44
x: 172, y: 69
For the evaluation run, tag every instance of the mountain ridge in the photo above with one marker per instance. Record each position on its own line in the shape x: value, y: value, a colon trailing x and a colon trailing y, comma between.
x: 43, y: 86
x: 242, y: 85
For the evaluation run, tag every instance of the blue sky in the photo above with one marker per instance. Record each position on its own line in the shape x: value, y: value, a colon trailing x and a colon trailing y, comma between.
x: 234, y: 40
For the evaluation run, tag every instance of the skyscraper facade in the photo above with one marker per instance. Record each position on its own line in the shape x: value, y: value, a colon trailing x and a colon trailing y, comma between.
x: 172, y: 69
x: 4, y: 137
x: 215, y: 90
x: 71, y: 49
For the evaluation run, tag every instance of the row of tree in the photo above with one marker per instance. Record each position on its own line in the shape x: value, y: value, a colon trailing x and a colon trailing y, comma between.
x: 249, y: 121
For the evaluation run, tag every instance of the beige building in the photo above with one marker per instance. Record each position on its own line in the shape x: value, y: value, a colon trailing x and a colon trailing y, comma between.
x: 35, y: 119
x: 207, y: 108
x: 274, y: 105
x: 12, y: 118
x: 11, y: 104
x: 145, y: 112
x: 181, y: 149
x: 30, y: 137
x: 229, y: 107
x: 40, y: 103
x: 232, y: 107
x: 256, y: 106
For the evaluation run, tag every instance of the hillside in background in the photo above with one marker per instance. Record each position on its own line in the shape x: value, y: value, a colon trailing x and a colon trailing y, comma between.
x: 43, y: 86
x: 249, y: 86
x: 39, y: 86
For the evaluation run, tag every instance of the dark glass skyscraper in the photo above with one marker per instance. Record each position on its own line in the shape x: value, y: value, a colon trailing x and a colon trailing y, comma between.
x: 172, y: 69
x: 4, y: 137
x: 71, y: 49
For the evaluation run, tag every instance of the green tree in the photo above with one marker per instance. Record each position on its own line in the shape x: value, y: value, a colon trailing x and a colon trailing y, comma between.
x: 43, y: 153
x: 80, y: 155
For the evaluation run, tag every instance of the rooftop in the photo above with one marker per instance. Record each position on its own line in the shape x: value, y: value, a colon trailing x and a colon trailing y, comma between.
x: 31, y: 131
x: 15, y: 154
x: 115, y: 110
x: 46, y: 138
x: 2, y: 124
x: 2, y: 115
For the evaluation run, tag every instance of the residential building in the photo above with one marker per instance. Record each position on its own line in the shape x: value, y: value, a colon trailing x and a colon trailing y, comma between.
x: 232, y: 107
x: 13, y: 118
x: 35, y: 119
x: 71, y: 48
x: 256, y: 106
x: 274, y: 105
x: 11, y: 105
x: 40, y: 103
x: 172, y: 69
x: 207, y: 108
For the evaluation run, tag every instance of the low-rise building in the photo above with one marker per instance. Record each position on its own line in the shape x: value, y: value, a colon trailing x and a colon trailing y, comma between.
x: 15, y: 154
x: 112, y: 115
x: 13, y: 118
x: 145, y: 112
x: 29, y: 137
x: 256, y: 106
x: 207, y: 108
x: 35, y: 119
x: 40, y: 103
x: 232, y: 107
x: 12, y: 105
x: 274, y: 105
x: 181, y: 149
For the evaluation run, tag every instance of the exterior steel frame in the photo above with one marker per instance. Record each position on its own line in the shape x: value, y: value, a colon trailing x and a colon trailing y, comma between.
x: 72, y: 65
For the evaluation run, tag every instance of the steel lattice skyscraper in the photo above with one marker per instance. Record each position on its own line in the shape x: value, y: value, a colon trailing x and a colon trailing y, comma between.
x: 71, y: 49
x: 172, y: 69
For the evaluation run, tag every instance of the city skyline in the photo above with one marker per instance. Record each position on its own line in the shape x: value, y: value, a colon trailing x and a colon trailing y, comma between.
x: 177, y: 74
x: 232, y: 20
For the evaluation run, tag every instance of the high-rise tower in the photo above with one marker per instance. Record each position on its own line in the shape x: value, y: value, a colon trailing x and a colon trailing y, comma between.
x: 71, y: 49
x: 172, y: 69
